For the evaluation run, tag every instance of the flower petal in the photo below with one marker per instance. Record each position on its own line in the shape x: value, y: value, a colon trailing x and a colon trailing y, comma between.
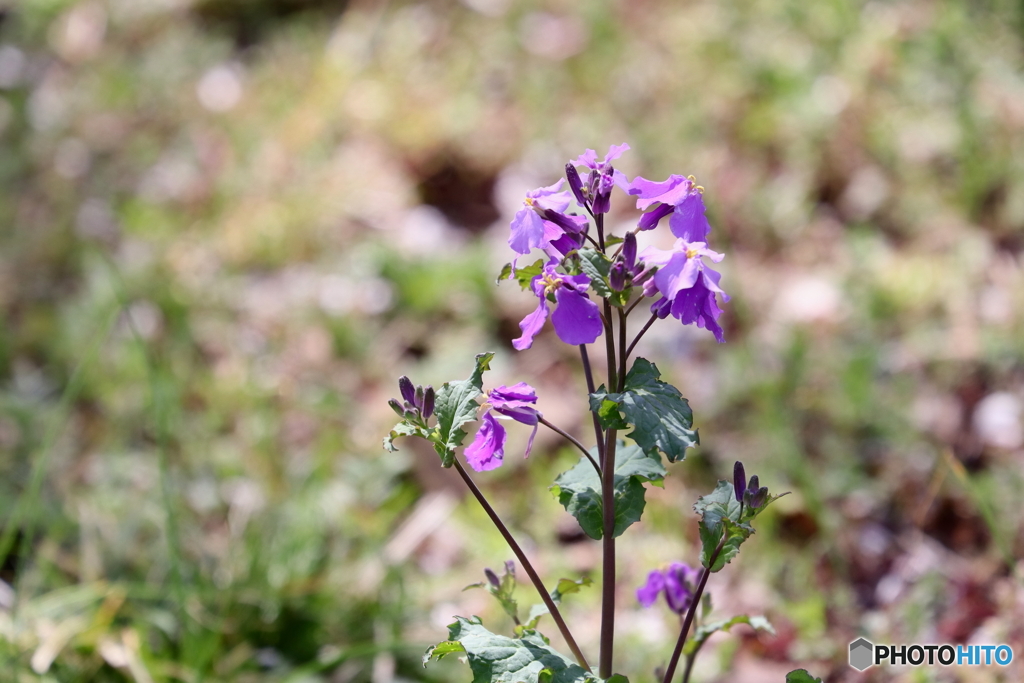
x: 647, y: 594
x: 577, y: 319
x: 488, y: 447
x: 531, y: 325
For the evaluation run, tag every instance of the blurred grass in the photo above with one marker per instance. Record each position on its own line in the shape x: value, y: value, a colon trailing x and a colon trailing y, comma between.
x: 234, y: 224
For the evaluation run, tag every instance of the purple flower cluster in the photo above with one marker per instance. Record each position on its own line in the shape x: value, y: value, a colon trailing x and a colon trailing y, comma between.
x: 683, y: 284
x: 515, y: 402
x: 678, y: 582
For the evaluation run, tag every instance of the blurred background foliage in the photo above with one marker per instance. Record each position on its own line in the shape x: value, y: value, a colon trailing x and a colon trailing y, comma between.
x: 227, y: 226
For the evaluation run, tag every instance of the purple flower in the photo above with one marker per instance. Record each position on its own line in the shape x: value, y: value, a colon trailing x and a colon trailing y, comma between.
x: 678, y: 583
x: 687, y: 286
x: 516, y: 402
x: 577, y: 319
x: 603, y: 176
x: 488, y: 448
x: 678, y: 196
x: 543, y: 224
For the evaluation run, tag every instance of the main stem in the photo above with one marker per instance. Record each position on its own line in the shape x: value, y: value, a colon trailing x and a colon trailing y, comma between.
x: 530, y: 571
x: 608, y: 505
x: 692, y: 611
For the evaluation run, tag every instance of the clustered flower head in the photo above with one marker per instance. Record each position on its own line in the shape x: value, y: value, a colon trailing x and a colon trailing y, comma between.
x: 678, y: 582
x: 516, y: 402
x: 417, y: 403
x: 679, y: 280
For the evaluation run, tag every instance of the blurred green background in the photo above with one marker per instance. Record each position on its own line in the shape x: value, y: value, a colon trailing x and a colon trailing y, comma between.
x: 227, y: 226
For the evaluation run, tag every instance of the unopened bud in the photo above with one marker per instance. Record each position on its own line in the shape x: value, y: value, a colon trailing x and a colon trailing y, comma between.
x: 428, y: 402
x: 407, y: 389
x: 756, y: 500
x: 753, y: 485
x: 617, y: 276
x: 510, y: 568
x: 419, y: 398
x: 739, y: 481
x: 575, y: 183
x: 397, y: 407
x: 629, y: 252
x: 493, y: 578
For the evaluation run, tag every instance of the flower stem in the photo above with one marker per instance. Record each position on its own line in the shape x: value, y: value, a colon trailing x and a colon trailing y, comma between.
x: 623, y: 351
x: 608, y: 505
x: 646, y: 327
x: 575, y: 442
x: 692, y: 611
x: 598, y: 432
x: 530, y: 571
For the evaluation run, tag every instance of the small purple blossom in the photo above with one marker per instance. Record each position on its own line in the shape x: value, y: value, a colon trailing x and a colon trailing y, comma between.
x: 679, y: 197
x: 516, y: 402
x: 602, y: 178
x: 678, y: 582
x: 687, y: 286
x: 577, y: 319
x: 488, y: 448
x: 543, y: 224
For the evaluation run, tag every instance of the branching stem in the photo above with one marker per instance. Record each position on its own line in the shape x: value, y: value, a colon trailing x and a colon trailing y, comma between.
x: 574, y: 441
x: 694, y: 603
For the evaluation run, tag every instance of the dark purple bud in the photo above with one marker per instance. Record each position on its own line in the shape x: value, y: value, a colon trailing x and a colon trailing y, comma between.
x: 397, y: 407
x: 592, y: 180
x: 617, y: 276
x: 575, y: 183
x: 428, y: 402
x: 602, y: 202
x: 756, y: 500
x: 493, y: 578
x: 753, y: 485
x: 739, y: 481
x: 407, y: 389
x: 419, y: 398
x: 629, y: 252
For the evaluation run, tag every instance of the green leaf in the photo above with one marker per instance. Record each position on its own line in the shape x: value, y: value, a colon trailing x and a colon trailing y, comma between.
x: 455, y: 406
x: 579, y: 489
x: 524, y: 274
x: 440, y: 650
x: 661, y: 417
x: 696, y: 641
x: 596, y: 266
x: 611, y: 241
x: 718, y: 510
x: 500, y: 659
x: 404, y: 428
x: 801, y: 676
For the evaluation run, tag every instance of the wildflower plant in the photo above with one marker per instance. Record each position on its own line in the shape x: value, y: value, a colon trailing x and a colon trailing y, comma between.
x: 589, y: 282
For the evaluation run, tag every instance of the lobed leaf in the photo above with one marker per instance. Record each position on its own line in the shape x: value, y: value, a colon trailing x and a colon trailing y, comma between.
x: 456, y: 405
x: 660, y: 416
x: 404, y: 428
x: 579, y: 489
x: 499, y: 659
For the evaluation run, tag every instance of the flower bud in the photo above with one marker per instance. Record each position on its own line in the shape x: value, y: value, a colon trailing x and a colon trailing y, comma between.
x: 510, y: 568
x: 617, y: 276
x: 407, y: 389
x: 629, y: 252
x: 753, y: 485
x: 756, y: 500
x: 428, y: 402
x: 739, y: 481
x: 575, y: 183
x: 419, y: 398
x: 397, y: 407
x: 493, y: 578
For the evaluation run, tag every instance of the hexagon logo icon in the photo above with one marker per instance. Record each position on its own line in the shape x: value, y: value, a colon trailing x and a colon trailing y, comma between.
x: 861, y: 654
